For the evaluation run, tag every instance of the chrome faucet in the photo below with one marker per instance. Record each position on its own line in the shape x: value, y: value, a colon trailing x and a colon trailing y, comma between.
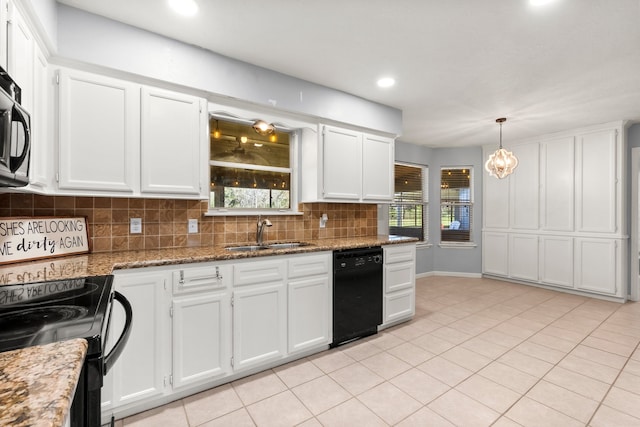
x: 260, y: 229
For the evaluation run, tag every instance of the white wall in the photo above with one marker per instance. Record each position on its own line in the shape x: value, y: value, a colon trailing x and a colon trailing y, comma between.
x: 91, y: 39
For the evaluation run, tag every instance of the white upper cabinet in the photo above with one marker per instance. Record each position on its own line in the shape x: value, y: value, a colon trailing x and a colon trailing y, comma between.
x: 20, y: 55
x: 597, y: 158
x: 4, y: 22
x: 99, y: 133
x: 496, y: 201
x: 524, y: 188
x: 26, y: 63
x: 171, y: 141
x: 557, y: 184
x: 118, y: 137
x: 344, y: 165
x: 41, y: 138
x: 377, y: 168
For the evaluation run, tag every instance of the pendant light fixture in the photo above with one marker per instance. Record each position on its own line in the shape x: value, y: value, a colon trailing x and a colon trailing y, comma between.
x: 502, y: 162
x: 263, y: 128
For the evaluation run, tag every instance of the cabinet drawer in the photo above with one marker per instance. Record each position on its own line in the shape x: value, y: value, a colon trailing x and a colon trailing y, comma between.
x: 201, y: 278
x: 254, y: 272
x: 399, y: 253
x: 398, y: 276
x: 309, y: 265
x: 399, y: 306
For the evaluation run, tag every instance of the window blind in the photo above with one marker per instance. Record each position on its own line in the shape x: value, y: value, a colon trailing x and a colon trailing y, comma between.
x: 456, y: 206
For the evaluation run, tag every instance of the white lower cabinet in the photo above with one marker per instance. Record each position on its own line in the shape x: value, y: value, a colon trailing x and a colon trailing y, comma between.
x: 586, y: 264
x: 199, y: 325
x: 596, y: 266
x: 259, y: 325
x: 309, y: 295
x: 556, y: 260
x: 140, y: 372
x: 399, y: 283
x: 495, y: 253
x: 200, y: 353
x: 523, y: 253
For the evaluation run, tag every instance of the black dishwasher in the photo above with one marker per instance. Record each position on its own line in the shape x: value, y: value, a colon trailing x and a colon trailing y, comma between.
x: 357, y: 293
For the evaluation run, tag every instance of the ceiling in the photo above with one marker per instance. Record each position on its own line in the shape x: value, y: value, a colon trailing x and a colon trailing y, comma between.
x: 459, y: 64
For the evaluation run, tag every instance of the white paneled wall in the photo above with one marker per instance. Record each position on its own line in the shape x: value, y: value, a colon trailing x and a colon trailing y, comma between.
x: 558, y: 220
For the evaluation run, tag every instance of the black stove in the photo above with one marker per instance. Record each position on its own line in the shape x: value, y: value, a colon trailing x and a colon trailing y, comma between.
x: 46, y: 312
x: 42, y: 313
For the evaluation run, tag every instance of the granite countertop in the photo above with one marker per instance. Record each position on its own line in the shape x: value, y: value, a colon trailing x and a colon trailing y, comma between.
x: 99, y: 264
x: 37, y: 383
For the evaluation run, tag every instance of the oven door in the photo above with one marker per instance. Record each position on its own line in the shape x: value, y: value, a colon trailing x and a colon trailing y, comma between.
x: 85, y: 410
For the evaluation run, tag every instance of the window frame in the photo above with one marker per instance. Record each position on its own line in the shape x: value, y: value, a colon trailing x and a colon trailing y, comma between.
x: 292, y: 126
x: 425, y: 199
x: 470, y: 203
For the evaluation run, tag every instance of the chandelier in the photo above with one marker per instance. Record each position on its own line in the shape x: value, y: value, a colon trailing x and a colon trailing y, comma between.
x: 502, y: 162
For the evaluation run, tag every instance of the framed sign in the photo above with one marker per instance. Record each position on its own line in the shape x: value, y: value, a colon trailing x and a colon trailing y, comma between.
x: 24, y: 239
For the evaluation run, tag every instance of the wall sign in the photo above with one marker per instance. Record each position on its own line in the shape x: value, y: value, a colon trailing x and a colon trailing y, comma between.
x: 23, y: 239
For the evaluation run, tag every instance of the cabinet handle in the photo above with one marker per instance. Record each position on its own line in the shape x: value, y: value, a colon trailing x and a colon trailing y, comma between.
x: 181, y: 282
x: 218, y: 275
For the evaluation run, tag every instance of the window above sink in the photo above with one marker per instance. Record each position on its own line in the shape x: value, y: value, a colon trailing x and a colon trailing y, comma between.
x: 248, y: 170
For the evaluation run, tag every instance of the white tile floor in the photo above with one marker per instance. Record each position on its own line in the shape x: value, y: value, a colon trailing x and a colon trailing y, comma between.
x: 479, y: 352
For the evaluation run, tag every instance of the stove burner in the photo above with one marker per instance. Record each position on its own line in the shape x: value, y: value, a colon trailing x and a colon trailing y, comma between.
x: 53, y: 297
x: 31, y: 321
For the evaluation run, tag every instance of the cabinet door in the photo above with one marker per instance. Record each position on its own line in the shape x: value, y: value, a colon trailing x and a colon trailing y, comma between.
x: 20, y: 61
x: 201, y: 338
x: 524, y: 187
x: 99, y: 133
x: 41, y: 140
x: 597, y: 265
x: 495, y: 200
x: 170, y: 142
x: 342, y: 163
x: 309, y: 313
x: 523, y: 256
x: 399, y: 276
x: 495, y: 254
x: 259, y: 325
x: 558, y: 188
x: 596, y: 185
x: 556, y: 260
x: 398, y: 306
x: 377, y: 168
x: 4, y: 19
x: 140, y: 372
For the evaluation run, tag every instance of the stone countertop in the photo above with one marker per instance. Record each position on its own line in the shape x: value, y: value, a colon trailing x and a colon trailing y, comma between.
x: 37, y: 383
x: 99, y: 264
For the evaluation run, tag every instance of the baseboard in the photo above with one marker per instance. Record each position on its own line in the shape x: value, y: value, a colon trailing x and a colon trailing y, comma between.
x: 449, y: 273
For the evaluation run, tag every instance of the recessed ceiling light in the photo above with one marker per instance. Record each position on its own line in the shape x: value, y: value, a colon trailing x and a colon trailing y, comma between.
x: 184, y: 7
x: 540, y: 2
x: 386, y: 82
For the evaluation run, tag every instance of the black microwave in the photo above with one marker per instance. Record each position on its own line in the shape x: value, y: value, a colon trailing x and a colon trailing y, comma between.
x: 15, y: 135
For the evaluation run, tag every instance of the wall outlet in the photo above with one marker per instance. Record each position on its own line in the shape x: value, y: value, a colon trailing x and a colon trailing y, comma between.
x: 323, y: 220
x: 193, y: 225
x: 135, y: 226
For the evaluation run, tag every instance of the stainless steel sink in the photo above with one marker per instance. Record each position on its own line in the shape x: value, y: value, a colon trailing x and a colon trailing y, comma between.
x: 287, y: 245
x: 247, y: 248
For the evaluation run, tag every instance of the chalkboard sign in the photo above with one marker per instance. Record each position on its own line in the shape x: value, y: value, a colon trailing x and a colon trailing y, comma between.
x: 23, y: 239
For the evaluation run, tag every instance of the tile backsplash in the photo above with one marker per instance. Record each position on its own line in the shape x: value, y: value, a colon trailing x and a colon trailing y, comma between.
x: 165, y: 221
